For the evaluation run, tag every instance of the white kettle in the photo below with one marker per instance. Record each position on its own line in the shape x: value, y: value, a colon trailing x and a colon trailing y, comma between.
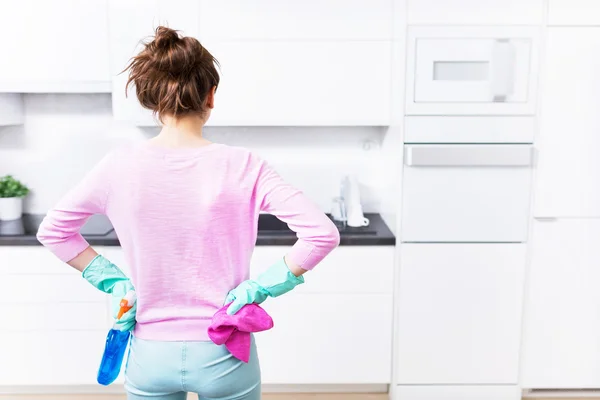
x: 351, y: 195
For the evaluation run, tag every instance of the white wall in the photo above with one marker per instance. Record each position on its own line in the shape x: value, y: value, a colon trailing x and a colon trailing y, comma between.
x: 64, y: 135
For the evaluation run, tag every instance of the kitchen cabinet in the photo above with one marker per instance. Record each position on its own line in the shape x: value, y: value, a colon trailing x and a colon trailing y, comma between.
x: 568, y: 177
x: 459, y: 315
x: 471, y: 70
x: 132, y: 22
x: 266, y: 20
x: 56, y: 323
x: 62, y: 46
x: 11, y: 109
x: 475, y: 12
x: 573, y: 12
x: 346, y: 295
x: 561, y: 336
x: 466, y: 193
x: 302, y: 83
x: 459, y: 129
x: 457, y: 393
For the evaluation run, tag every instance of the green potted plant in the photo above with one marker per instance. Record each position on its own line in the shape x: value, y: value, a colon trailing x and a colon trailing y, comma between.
x: 11, y: 198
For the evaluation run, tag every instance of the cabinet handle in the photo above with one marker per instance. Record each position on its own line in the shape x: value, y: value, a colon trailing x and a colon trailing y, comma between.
x: 469, y: 156
x: 503, y: 68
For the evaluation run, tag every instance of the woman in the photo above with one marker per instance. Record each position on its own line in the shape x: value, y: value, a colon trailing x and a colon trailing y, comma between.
x: 186, y: 212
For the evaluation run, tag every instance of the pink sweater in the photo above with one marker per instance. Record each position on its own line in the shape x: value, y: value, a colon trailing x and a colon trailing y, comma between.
x: 187, y: 223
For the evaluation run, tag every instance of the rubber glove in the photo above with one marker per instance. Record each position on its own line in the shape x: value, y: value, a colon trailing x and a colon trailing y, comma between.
x: 277, y: 280
x: 107, y: 277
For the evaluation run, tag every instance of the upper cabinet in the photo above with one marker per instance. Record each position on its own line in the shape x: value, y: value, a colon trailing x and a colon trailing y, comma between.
x: 11, y: 109
x: 476, y: 12
x: 573, y: 12
x: 54, y: 46
x: 568, y: 178
x: 471, y: 70
x: 302, y: 83
x: 296, y: 20
x: 282, y: 63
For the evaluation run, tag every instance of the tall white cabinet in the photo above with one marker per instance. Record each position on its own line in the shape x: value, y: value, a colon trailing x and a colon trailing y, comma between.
x: 561, y: 348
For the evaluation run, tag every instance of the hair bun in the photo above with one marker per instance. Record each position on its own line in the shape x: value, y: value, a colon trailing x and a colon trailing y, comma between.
x: 165, y: 38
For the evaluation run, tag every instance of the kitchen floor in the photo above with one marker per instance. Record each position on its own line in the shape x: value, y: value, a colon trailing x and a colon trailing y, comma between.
x: 269, y: 396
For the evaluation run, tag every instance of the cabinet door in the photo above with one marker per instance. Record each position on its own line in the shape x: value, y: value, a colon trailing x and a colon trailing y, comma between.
x: 568, y: 178
x: 54, y: 46
x: 296, y: 20
x: 466, y: 193
x: 327, y: 339
x: 475, y: 12
x: 561, y: 342
x: 459, y: 318
x: 573, y: 12
x: 302, y: 83
x: 131, y: 23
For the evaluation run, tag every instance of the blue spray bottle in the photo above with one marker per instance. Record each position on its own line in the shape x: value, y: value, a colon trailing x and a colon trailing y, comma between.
x: 116, y: 344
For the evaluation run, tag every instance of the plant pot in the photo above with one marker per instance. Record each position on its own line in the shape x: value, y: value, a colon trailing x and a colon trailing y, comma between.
x: 11, y: 208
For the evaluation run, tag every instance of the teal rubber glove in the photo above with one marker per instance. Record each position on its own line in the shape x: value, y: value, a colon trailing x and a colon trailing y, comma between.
x: 107, y: 277
x: 277, y: 280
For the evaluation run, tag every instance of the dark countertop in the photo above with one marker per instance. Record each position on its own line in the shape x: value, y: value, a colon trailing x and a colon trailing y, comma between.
x: 271, y: 232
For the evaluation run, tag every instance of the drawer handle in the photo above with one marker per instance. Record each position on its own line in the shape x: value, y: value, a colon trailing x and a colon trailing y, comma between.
x: 503, y: 66
x: 468, y: 156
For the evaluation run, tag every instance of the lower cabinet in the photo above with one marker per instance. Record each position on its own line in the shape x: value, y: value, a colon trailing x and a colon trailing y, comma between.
x: 459, y: 318
x: 334, y: 329
x: 456, y: 393
x: 561, y: 336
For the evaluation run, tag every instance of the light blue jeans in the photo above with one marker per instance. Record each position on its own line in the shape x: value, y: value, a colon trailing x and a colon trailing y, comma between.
x: 168, y: 370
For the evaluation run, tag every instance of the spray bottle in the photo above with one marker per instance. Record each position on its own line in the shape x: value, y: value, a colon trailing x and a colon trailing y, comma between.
x: 116, y: 344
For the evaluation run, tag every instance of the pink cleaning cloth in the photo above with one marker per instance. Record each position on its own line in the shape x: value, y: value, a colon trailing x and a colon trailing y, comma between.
x: 234, y: 330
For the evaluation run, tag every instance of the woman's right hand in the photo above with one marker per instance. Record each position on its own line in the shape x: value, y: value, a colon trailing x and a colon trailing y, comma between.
x: 277, y: 280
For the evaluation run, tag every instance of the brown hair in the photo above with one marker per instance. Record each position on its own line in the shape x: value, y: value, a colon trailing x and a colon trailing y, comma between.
x: 173, y: 74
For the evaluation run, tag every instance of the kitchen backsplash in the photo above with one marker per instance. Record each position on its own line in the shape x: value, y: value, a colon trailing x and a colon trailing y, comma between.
x: 64, y: 135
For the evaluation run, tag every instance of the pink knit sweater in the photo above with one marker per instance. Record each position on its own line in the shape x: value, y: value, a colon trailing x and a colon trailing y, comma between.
x: 187, y: 223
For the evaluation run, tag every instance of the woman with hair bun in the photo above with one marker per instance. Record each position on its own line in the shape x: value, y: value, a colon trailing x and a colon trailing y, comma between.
x: 186, y: 213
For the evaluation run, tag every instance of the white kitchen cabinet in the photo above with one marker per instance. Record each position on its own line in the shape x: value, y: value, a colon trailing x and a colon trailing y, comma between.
x: 302, y: 83
x: 54, y: 46
x: 568, y: 172
x: 51, y: 357
x: 11, y: 109
x: 466, y: 193
x: 471, y: 70
x: 296, y: 20
x: 459, y: 129
x: 475, y: 12
x: 561, y: 339
x: 573, y: 12
x: 343, y: 298
x: 327, y: 339
x: 457, y: 393
x: 459, y: 317
x: 132, y: 22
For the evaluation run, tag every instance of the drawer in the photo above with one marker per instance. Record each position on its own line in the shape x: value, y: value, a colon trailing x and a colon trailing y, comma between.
x: 51, y: 358
x: 27, y: 260
x: 349, y: 336
x: 57, y: 316
x: 471, y: 70
x: 347, y: 269
x: 457, y: 393
x: 459, y: 315
x: 469, y: 129
x: 466, y: 193
x: 52, y: 288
